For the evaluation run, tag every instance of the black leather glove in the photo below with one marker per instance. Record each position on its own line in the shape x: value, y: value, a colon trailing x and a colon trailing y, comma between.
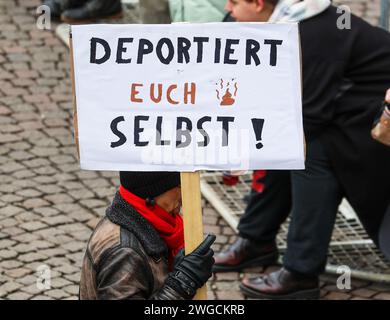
x: 192, y: 271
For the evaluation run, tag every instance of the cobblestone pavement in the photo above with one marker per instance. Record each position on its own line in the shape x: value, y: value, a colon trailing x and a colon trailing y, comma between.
x: 48, y: 206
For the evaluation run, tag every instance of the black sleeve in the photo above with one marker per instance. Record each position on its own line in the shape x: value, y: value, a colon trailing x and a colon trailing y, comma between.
x: 369, y: 62
x: 323, y: 65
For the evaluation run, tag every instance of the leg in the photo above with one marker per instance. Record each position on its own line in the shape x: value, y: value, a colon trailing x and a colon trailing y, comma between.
x: 316, y: 196
x: 258, y: 227
x: 384, y: 234
x: 267, y: 210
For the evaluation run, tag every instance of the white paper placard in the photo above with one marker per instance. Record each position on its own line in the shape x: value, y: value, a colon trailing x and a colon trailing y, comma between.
x: 188, y: 97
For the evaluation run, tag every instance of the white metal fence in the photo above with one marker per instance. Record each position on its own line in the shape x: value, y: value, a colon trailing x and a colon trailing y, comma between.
x: 350, y: 244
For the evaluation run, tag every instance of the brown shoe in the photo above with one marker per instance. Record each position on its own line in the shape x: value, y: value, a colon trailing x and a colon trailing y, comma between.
x: 244, y: 254
x: 281, y: 284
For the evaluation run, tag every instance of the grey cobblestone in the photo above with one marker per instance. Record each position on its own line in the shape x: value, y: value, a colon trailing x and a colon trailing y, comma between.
x: 17, y: 273
x: 31, y: 257
x: 8, y: 288
x: 42, y: 297
x: 33, y: 225
x: 6, y: 243
x: 58, y: 283
x: 57, y: 294
x: 32, y: 289
x: 7, y: 254
x: 35, y: 203
x: 19, y: 296
x: 10, y: 264
x: 57, y: 220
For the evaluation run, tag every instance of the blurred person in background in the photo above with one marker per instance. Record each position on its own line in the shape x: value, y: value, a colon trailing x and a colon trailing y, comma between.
x: 197, y: 10
x: 154, y: 12
x: 82, y: 11
x: 345, y: 73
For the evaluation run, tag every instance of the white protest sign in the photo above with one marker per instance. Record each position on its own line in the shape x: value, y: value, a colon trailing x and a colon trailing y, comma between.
x: 188, y: 97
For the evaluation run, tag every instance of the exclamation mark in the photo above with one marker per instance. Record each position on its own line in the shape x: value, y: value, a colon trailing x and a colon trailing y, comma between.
x: 258, y: 128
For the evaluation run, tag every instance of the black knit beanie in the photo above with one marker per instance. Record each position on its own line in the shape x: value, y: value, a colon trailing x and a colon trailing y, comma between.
x: 149, y: 184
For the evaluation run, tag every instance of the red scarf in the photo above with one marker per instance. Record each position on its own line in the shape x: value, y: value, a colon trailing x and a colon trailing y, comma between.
x: 169, y: 227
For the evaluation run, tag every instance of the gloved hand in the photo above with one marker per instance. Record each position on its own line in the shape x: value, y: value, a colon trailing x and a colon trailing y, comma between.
x: 191, y: 272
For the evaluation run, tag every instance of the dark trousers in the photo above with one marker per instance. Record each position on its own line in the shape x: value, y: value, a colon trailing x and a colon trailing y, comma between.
x: 312, y: 196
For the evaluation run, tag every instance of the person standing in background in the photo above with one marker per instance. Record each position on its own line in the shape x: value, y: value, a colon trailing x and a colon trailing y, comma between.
x: 154, y: 12
x: 197, y: 10
x: 345, y: 73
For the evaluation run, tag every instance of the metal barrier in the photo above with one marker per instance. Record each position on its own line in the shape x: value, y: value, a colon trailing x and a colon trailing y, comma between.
x: 350, y: 244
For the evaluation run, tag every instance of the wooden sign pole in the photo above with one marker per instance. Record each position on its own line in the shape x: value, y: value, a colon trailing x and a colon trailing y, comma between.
x: 75, y: 123
x: 192, y: 216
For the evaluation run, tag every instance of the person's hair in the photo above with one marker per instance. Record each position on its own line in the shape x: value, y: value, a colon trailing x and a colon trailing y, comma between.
x: 273, y: 2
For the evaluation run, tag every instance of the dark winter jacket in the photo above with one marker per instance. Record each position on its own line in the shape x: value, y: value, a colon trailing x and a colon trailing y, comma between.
x: 345, y: 77
x: 125, y: 259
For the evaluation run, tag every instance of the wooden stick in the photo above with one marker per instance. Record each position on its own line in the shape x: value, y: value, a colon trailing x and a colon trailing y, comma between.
x: 75, y: 123
x: 192, y: 216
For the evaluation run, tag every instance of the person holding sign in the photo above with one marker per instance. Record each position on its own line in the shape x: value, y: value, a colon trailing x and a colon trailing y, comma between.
x: 176, y: 98
x: 345, y: 71
x: 136, y: 251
